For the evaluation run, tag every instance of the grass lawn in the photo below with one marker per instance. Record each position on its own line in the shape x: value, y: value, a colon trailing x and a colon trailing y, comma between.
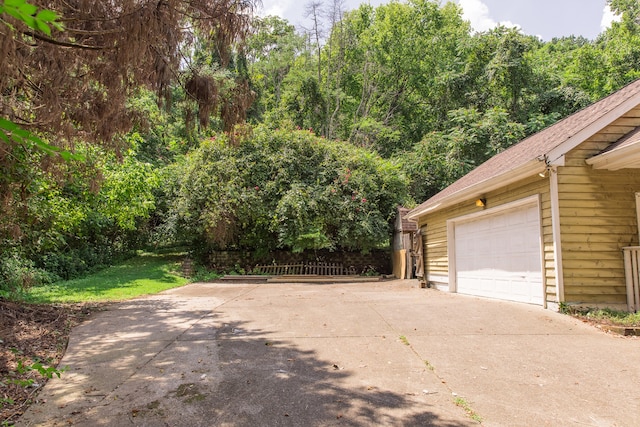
x: 142, y: 275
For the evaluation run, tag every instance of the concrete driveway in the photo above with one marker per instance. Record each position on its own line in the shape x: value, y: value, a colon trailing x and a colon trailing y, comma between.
x: 379, y: 353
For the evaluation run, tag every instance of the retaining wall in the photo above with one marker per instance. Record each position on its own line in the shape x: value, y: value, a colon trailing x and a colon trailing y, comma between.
x: 378, y: 261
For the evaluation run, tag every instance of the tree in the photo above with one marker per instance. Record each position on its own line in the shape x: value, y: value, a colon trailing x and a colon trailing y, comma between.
x: 334, y: 65
x: 271, y: 49
x: 471, y: 137
x: 392, y: 64
x: 67, y: 78
x: 78, y: 81
x: 286, y: 189
x: 37, y: 20
x: 629, y: 10
x: 65, y: 226
x: 314, y: 11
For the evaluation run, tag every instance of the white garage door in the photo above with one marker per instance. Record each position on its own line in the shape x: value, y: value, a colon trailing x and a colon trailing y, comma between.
x: 498, y: 255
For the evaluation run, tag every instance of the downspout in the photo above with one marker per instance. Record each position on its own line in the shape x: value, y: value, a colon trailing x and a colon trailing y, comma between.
x: 557, y: 243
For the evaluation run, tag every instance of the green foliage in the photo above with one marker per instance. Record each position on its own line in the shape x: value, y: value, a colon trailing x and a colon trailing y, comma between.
x: 271, y: 51
x: 629, y: 10
x: 67, y: 228
x: 392, y: 71
x: 127, y: 191
x: 18, y: 274
x: 203, y: 274
x: 23, y: 367
x: 462, y: 403
x: 11, y: 132
x: 37, y: 366
x: 472, y: 137
x: 303, y: 102
x: 287, y: 189
x: 508, y: 72
x: 5, y: 401
x: 377, y: 136
x: 28, y: 13
x: 388, y: 77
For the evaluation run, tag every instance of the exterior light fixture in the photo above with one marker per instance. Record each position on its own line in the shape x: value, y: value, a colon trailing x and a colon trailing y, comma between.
x: 545, y: 172
x: 481, y: 203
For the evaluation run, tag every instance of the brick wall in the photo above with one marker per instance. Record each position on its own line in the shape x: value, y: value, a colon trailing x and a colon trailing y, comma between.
x: 379, y: 260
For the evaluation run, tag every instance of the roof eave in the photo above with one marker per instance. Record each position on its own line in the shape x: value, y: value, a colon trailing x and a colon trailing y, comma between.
x: 594, y: 127
x: 528, y: 169
x: 624, y: 157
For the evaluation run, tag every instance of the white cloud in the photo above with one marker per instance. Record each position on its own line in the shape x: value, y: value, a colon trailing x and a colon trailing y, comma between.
x: 608, y: 17
x: 274, y: 9
x: 476, y: 12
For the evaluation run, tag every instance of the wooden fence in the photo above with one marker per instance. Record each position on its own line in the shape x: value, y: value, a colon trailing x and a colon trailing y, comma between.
x: 311, y: 268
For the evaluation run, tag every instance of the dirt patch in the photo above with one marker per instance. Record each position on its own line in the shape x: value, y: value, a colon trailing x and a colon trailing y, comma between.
x: 620, y: 323
x: 32, y: 334
x: 611, y: 327
x: 190, y: 392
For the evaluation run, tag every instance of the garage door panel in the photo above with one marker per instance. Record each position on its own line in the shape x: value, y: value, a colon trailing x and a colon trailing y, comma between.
x: 502, y: 288
x: 498, y: 255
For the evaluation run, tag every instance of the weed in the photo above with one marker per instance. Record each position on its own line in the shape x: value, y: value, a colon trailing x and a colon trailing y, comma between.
x: 37, y: 366
x: 237, y: 271
x: 606, y: 315
x: 369, y: 270
x: 462, y: 403
x: 404, y: 340
x: 203, y: 274
x: 5, y: 401
x: 429, y: 365
x: 21, y: 383
x: 47, y: 372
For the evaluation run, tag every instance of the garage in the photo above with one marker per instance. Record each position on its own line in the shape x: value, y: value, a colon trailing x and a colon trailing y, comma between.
x: 498, y: 254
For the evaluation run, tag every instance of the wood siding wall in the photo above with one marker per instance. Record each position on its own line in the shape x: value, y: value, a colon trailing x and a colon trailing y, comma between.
x: 598, y: 218
x: 435, y: 226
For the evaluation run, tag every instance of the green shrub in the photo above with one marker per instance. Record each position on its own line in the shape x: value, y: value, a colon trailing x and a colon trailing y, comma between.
x: 18, y: 274
x: 285, y: 189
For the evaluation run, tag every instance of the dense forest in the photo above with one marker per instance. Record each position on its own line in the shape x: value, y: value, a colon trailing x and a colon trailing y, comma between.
x: 140, y: 123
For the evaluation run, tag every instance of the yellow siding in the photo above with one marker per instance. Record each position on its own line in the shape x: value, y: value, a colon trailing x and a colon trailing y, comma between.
x: 598, y: 218
x: 435, y: 225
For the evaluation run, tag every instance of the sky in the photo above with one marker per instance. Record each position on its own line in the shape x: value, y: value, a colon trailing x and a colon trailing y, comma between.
x: 543, y: 18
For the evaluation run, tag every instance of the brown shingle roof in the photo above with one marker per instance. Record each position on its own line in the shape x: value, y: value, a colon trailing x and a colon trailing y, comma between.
x: 407, y: 225
x: 537, y: 146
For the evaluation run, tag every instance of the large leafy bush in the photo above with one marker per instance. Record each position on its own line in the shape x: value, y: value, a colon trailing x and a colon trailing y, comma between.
x: 286, y: 189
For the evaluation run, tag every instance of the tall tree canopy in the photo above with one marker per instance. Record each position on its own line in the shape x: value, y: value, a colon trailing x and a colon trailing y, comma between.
x: 78, y: 81
x: 69, y: 74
